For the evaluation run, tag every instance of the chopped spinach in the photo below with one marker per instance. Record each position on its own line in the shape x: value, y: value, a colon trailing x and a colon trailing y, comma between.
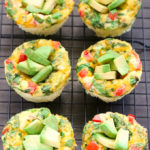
x: 10, y: 66
x: 46, y: 89
x: 86, y: 65
x: 38, y: 19
x: 62, y: 134
x: 48, y: 20
x: 69, y: 143
x: 60, y: 2
x: 133, y: 80
x: 44, y: 112
x: 95, y: 20
x: 56, y: 15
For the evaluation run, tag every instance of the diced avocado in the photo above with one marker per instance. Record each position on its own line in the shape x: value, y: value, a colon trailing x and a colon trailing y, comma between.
x: 34, y: 66
x: 36, y: 57
x: 108, y: 128
x: 109, y: 143
x: 43, y: 74
x: 34, y: 127
x: 45, y: 112
x: 115, y: 54
x: 48, y: 6
x: 105, y: 76
x: 112, y: 66
x: 121, y: 65
x: 32, y: 142
x: 51, y: 122
x: 44, y: 51
x: 24, y: 67
x: 115, y: 4
x: 105, y: 2
x: 100, y: 8
x: 50, y: 137
x: 34, y: 3
x: 121, y: 142
x: 32, y: 9
x: 102, y: 68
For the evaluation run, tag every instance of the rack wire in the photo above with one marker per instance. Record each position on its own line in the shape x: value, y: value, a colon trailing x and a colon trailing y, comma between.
x: 74, y: 103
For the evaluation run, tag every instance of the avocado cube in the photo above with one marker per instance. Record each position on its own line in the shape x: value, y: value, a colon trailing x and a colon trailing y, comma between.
x: 50, y: 137
x: 105, y: 76
x: 51, y: 122
x: 98, y: 7
x: 115, y: 4
x: 112, y: 66
x: 32, y: 9
x: 43, y: 74
x: 122, y: 139
x: 104, y: 2
x: 32, y: 142
x: 34, y: 127
x: 102, y: 68
x: 108, y: 128
x: 48, y: 7
x: 115, y: 54
x: 107, y: 142
x: 35, y: 3
x: 121, y: 65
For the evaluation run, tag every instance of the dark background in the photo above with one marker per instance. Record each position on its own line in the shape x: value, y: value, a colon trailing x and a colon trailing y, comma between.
x: 74, y: 103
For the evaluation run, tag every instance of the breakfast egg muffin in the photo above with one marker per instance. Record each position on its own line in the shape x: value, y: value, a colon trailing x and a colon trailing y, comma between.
x: 114, y: 131
x: 40, y: 17
x: 38, y: 70
x: 38, y: 129
x: 109, y: 69
x: 109, y: 18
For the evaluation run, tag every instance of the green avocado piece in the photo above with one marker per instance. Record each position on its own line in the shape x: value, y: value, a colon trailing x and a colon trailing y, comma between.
x: 121, y: 142
x: 105, y: 2
x: 115, y: 54
x: 102, y: 68
x: 50, y: 137
x: 32, y: 9
x: 48, y: 7
x: 115, y: 4
x: 112, y: 66
x: 36, y: 57
x: 43, y: 74
x: 107, y: 142
x: 51, y: 122
x: 44, y: 51
x: 24, y: 67
x: 34, y: 66
x: 105, y: 76
x: 121, y: 65
x: 34, y: 127
x: 32, y: 142
x: 35, y: 3
x: 108, y: 128
x: 98, y: 7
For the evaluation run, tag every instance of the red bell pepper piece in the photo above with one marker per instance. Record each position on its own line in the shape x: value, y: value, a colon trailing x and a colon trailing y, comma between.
x: 97, y: 119
x: 83, y: 73
x: 92, y: 146
x: 138, y: 63
x: 8, y: 61
x: 5, y: 130
x: 88, y: 85
x: 6, y: 4
x: 32, y: 86
x: 88, y: 56
x: 81, y: 12
x: 120, y: 91
x: 22, y: 57
x: 55, y: 44
x: 133, y: 147
x: 131, y: 118
x: 112, y: 16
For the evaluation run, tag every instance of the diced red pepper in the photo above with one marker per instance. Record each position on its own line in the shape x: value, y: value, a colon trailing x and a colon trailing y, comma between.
x: 22, y: 57
x: 133, y: 147
x: 92, y: 146
x: 81, y: 12
x: 88, y: 85
x: 131, y: 118
x: 88, y: 56
x: 32, y: 86
x: 138, y: 63
x: 97, y: 119
x: 5, y: 130
x: 8, y: 61
x: 112, y: 16
x: 120, y: 91
x: 6, y: 4
x: 55, y: 44
x: 83, y: 73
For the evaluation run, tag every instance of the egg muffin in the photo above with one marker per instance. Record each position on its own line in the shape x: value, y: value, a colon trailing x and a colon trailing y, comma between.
x: 109, y: 18
x: 38, y: 70
x: 109, y: 69
x: 38, y: 129
x: 42, y: 17
x: 114, y: 131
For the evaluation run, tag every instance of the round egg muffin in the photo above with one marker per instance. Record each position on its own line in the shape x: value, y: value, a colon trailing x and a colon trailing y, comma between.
x: 109, y: 18
x: 38, y: 70
x: 114, y: 131
x: 38, y: 129
x: 109, y: 69
x: 40, y: 17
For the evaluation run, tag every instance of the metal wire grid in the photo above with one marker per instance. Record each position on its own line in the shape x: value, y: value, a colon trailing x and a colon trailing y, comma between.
x: 74, y: 103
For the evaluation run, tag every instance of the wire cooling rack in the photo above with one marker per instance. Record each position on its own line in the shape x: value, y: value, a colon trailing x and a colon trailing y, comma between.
x: 74, y: 103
